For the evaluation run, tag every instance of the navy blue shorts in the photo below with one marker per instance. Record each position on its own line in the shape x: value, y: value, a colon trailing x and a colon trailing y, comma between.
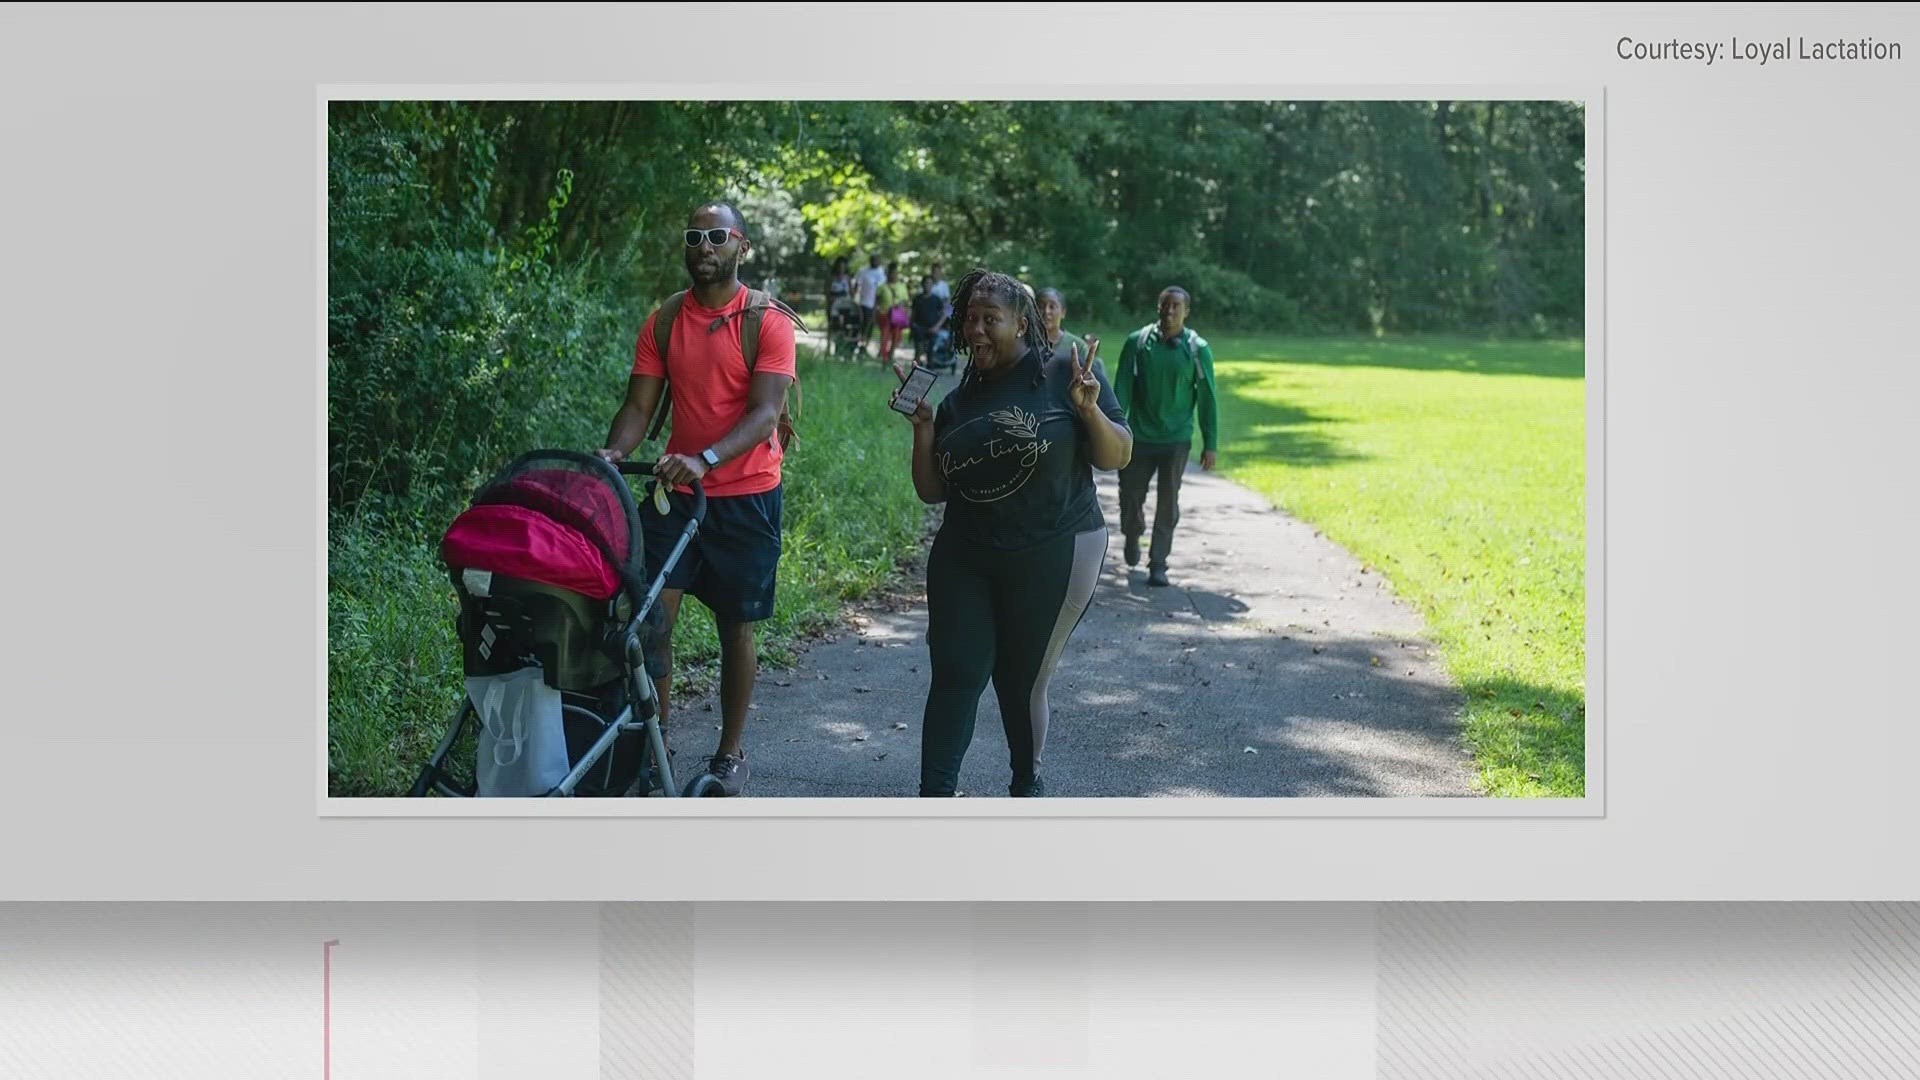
x: 732, y: 564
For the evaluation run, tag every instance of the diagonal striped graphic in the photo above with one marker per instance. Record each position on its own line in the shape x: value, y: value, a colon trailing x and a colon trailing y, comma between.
x: 1649, y: 991
x: 646, y: 991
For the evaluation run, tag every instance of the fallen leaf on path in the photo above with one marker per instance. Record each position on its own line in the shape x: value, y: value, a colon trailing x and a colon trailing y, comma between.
x: 860, y: 737
x: 782, y: 682
x: 863, y: 690
x: 899, y: 727
x: 1249, y: 750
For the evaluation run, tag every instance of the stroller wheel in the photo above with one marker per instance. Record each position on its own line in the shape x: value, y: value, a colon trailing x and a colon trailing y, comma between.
x: 703, y: 786
x: 423, y: 784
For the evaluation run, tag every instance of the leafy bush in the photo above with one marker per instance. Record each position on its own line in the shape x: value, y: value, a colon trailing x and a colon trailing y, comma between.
x: 448, y: 347
x: 1224, y: 299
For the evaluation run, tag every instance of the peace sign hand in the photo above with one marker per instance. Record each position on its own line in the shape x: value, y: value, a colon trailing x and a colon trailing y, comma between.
x: 1085, y: 392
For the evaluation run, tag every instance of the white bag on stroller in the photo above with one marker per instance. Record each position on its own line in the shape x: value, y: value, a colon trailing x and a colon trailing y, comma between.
x: 523, y: 737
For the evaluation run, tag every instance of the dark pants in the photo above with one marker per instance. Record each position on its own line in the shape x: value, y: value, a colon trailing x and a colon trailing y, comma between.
x: 1163, y: 465
x: 733, y: 563
x: 1000, y: 617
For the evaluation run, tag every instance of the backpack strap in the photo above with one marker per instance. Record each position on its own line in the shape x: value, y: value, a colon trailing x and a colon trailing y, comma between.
x: 751, y: 316
x: 663, y: 320
x: 1150, y: 334
x: 757, y: 304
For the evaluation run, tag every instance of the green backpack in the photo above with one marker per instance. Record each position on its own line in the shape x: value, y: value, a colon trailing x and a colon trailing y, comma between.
x: 751, y: 316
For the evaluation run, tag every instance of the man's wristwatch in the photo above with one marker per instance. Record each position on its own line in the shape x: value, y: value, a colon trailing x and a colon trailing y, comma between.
x: 712, y: 459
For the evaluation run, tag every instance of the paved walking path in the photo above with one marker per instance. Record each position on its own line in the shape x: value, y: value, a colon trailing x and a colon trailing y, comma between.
x: 1275, y: 666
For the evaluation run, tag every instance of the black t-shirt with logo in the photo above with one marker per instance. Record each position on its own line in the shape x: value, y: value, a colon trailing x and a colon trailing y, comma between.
x: 1014, y: 455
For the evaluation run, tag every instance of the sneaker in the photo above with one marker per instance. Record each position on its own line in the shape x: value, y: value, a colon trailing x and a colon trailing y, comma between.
x: 729, y: 773
x: 1035, y: 788
x: 1133, y: 551
x: 1157, y: 577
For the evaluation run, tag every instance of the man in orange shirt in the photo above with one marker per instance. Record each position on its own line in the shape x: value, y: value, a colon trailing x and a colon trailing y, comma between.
x: 724, y: 422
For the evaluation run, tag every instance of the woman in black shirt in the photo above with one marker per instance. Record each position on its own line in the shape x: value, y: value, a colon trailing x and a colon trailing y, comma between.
x: 1011, y: 451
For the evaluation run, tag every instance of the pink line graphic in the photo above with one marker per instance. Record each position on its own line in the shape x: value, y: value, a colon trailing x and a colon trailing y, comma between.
x: 326, y: 1009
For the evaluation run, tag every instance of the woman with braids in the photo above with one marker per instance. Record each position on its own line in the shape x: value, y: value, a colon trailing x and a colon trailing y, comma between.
x: 1011, y: 451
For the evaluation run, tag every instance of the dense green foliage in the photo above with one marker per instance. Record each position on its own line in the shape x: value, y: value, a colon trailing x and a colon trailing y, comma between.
x: 487, y: 259
x: 489, y: 264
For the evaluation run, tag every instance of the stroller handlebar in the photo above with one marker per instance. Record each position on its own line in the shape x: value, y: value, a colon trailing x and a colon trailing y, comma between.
x: 645, y: 468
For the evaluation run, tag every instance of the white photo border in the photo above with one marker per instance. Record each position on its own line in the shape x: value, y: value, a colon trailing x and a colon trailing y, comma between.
x: 1592, y: 804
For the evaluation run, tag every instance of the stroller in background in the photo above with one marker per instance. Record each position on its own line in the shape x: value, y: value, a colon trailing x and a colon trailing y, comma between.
x: 843, y: 327
x: 560, y: 635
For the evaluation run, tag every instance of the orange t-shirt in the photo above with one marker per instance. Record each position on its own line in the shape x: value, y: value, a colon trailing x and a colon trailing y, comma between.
x: 710, y: 384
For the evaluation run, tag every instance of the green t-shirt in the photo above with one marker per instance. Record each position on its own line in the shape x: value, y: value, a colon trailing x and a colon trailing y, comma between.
x: 1068, y: 341
x: 1161, y: 391
x: 891, y: 294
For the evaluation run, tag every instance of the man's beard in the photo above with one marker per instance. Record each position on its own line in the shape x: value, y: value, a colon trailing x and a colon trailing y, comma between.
x: 712, y: 273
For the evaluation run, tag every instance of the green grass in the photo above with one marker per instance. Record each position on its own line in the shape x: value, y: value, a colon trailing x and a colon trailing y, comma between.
x: 1457, y: 468
x: 394, y: 678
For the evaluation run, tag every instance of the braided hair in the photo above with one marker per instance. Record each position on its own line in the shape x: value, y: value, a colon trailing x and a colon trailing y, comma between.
x: 986, y: 283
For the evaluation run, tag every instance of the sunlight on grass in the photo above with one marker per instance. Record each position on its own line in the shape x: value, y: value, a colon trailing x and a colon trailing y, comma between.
x: 1457, y: 469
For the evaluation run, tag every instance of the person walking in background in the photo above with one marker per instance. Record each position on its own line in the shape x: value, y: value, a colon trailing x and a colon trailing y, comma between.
x: 890, y: 306
x: 1011, y: 452
x: 929, y: 325
x: 1052, y: 306
x: 843, y: 312
x: 866, y: 291
x: 1164, y: 377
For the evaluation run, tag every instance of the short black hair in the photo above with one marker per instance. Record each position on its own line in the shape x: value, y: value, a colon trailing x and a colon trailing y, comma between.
x: 1183, y: 294
x: 733, y: 213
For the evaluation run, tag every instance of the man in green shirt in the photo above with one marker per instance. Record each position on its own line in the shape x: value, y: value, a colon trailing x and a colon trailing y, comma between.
x: 1164, y: 377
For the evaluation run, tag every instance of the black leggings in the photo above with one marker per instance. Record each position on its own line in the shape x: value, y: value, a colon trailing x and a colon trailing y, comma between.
x: 1005, y: 617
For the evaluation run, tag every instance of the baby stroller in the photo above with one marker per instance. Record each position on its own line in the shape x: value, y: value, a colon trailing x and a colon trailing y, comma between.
x: 560, y: 636
x: 843, y: 327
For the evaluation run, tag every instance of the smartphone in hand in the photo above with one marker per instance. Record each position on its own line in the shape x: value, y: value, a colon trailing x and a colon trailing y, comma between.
x: 914, y: 390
